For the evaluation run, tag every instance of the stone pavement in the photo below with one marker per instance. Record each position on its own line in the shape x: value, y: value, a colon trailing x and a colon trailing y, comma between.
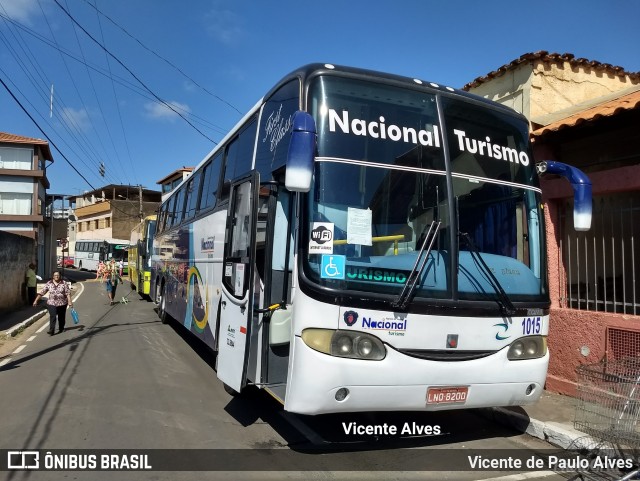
x: 551, y: 418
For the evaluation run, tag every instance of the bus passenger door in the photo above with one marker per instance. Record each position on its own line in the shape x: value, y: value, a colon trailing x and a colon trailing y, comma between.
x: 237, y: 286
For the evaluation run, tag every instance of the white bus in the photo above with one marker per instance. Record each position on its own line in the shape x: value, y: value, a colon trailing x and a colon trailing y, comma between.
x: 90, y: 252
x: 365, y: 242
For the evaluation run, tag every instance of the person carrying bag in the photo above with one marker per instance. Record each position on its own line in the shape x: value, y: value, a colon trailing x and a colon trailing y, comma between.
x: 57, y: 303
x: 112, y: 281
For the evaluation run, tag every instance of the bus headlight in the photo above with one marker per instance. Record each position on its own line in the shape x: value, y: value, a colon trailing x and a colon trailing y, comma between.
x: 530, y: 347
x: 350, y: 344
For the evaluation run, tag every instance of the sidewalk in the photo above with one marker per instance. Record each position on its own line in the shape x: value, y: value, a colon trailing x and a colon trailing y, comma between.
x: 12, y: 322
x: 550, y: 419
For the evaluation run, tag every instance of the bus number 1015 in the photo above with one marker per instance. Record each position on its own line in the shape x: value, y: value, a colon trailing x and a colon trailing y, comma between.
x: 531, y: 326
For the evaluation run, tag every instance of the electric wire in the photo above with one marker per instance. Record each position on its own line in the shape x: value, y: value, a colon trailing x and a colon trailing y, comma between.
x: 153, y: 52
x: 45, y: 134
x: 117, y: 103
x: 116, y: 78
x: 166, y: 104
x: 64, y: 112
x: 44, y: 91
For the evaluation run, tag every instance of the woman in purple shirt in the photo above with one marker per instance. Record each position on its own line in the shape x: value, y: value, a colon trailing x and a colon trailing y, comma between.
x: 59, y: 299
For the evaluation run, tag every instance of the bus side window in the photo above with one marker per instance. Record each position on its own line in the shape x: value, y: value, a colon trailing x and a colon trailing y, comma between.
x: 193, y: 190
x: 239, y: 157
x: 210, y: 180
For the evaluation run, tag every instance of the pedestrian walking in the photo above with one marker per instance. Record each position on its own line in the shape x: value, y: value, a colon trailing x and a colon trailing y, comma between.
x: 32, y: 283
x: 101, y: 272
x: 57, y: 303
x: 121, y: 266
x: 112, y: 281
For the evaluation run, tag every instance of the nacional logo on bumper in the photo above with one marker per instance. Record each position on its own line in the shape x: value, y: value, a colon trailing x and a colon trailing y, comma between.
x: 395, y: 327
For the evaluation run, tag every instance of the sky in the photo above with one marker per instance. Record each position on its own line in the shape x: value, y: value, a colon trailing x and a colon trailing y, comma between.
x: 149, y: 86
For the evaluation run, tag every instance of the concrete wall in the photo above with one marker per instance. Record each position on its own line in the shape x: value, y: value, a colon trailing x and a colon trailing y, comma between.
x: 559, y: 86
x: 16, y: 252
x: 511, y: 89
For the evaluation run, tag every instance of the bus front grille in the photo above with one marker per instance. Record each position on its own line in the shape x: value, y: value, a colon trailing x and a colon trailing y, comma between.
x: 442, y: 355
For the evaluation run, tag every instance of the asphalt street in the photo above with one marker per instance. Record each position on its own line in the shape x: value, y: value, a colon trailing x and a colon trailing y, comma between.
x: 123, y: 380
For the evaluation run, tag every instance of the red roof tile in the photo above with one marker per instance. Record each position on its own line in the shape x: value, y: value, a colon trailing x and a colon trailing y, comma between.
x: 19, y: 139
x: 545, y: 56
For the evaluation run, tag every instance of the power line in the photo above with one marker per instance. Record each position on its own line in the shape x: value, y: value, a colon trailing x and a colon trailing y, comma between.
x: 45, y: 135
x: 153, y: 52
x: 166, y: 104
x: 113, y: 88
x: 113, y: 77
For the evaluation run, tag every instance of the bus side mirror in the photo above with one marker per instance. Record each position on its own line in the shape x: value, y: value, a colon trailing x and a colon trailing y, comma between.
x: 582, y: 201
x: 301, y: 154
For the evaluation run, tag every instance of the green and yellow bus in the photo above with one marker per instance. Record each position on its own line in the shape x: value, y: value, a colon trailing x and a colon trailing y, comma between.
x: 140, y: 248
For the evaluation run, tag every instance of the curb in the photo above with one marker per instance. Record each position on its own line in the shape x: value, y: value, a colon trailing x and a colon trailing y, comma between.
x: 24, y: 324
x: 13, y: 331
x: 562, y: 435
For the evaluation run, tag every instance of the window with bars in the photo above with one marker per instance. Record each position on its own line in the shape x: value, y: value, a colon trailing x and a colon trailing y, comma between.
x: 601, y: 265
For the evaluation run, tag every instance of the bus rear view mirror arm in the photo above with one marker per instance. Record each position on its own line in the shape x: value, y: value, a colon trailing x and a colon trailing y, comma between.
x: 301, y: 154
x: 582, y: 202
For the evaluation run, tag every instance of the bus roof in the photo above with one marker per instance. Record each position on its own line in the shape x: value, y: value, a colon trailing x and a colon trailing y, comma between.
x: 306, y: 72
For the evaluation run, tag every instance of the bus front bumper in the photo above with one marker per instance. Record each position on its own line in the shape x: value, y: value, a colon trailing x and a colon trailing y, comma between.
x: 318, y: 381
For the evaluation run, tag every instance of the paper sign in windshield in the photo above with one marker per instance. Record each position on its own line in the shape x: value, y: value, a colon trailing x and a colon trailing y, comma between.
x: 359, y: 226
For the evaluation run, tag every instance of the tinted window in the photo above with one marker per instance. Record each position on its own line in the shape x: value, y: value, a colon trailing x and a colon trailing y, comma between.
x: 210, y: 180
x: 239, y: 157
x: 179, y: 206
x: 193, y: 189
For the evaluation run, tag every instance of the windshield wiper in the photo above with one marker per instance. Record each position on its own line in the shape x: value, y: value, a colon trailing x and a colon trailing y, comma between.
x: 506, y: 306
x: 412, y: 280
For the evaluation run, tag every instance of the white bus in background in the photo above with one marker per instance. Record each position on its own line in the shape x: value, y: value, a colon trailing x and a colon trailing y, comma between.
x: 363, y: 241
x: 90, y: 252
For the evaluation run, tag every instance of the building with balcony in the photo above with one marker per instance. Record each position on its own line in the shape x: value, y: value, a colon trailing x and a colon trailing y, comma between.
x: 110, y: 212
x: 172, y: 180
x: 23, y: 183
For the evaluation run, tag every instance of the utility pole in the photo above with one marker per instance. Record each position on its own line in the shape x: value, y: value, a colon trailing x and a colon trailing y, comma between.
x: 140, y: 200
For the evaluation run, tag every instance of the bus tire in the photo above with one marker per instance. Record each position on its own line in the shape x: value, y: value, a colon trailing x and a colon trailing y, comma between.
x: 162, y: 307
x: 230, y: 390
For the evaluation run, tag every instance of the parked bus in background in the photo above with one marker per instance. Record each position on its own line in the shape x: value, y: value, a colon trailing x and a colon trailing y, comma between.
x: 362, y: 241
x: 89, y: 253
x: 140, y: 249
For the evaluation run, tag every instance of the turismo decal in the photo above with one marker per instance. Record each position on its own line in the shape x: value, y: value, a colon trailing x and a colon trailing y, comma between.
x: 486, y: 148
x: 373, y: 274
x: 342, y: 122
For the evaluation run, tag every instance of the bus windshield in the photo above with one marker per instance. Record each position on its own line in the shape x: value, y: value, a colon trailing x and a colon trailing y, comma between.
x: 388, y: 170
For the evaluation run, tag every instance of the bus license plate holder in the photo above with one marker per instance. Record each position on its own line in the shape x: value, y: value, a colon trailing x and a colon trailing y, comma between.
x: 447, y: 395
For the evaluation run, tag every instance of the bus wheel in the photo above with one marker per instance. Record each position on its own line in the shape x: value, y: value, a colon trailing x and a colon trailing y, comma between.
x: 162, y: 309
x: 230, y: 390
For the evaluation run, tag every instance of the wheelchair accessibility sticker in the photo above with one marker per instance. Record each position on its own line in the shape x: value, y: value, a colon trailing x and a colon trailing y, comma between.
x: 333, y: 266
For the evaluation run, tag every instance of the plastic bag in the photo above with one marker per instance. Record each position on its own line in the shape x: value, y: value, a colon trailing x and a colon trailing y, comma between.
x: 75, y: 316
